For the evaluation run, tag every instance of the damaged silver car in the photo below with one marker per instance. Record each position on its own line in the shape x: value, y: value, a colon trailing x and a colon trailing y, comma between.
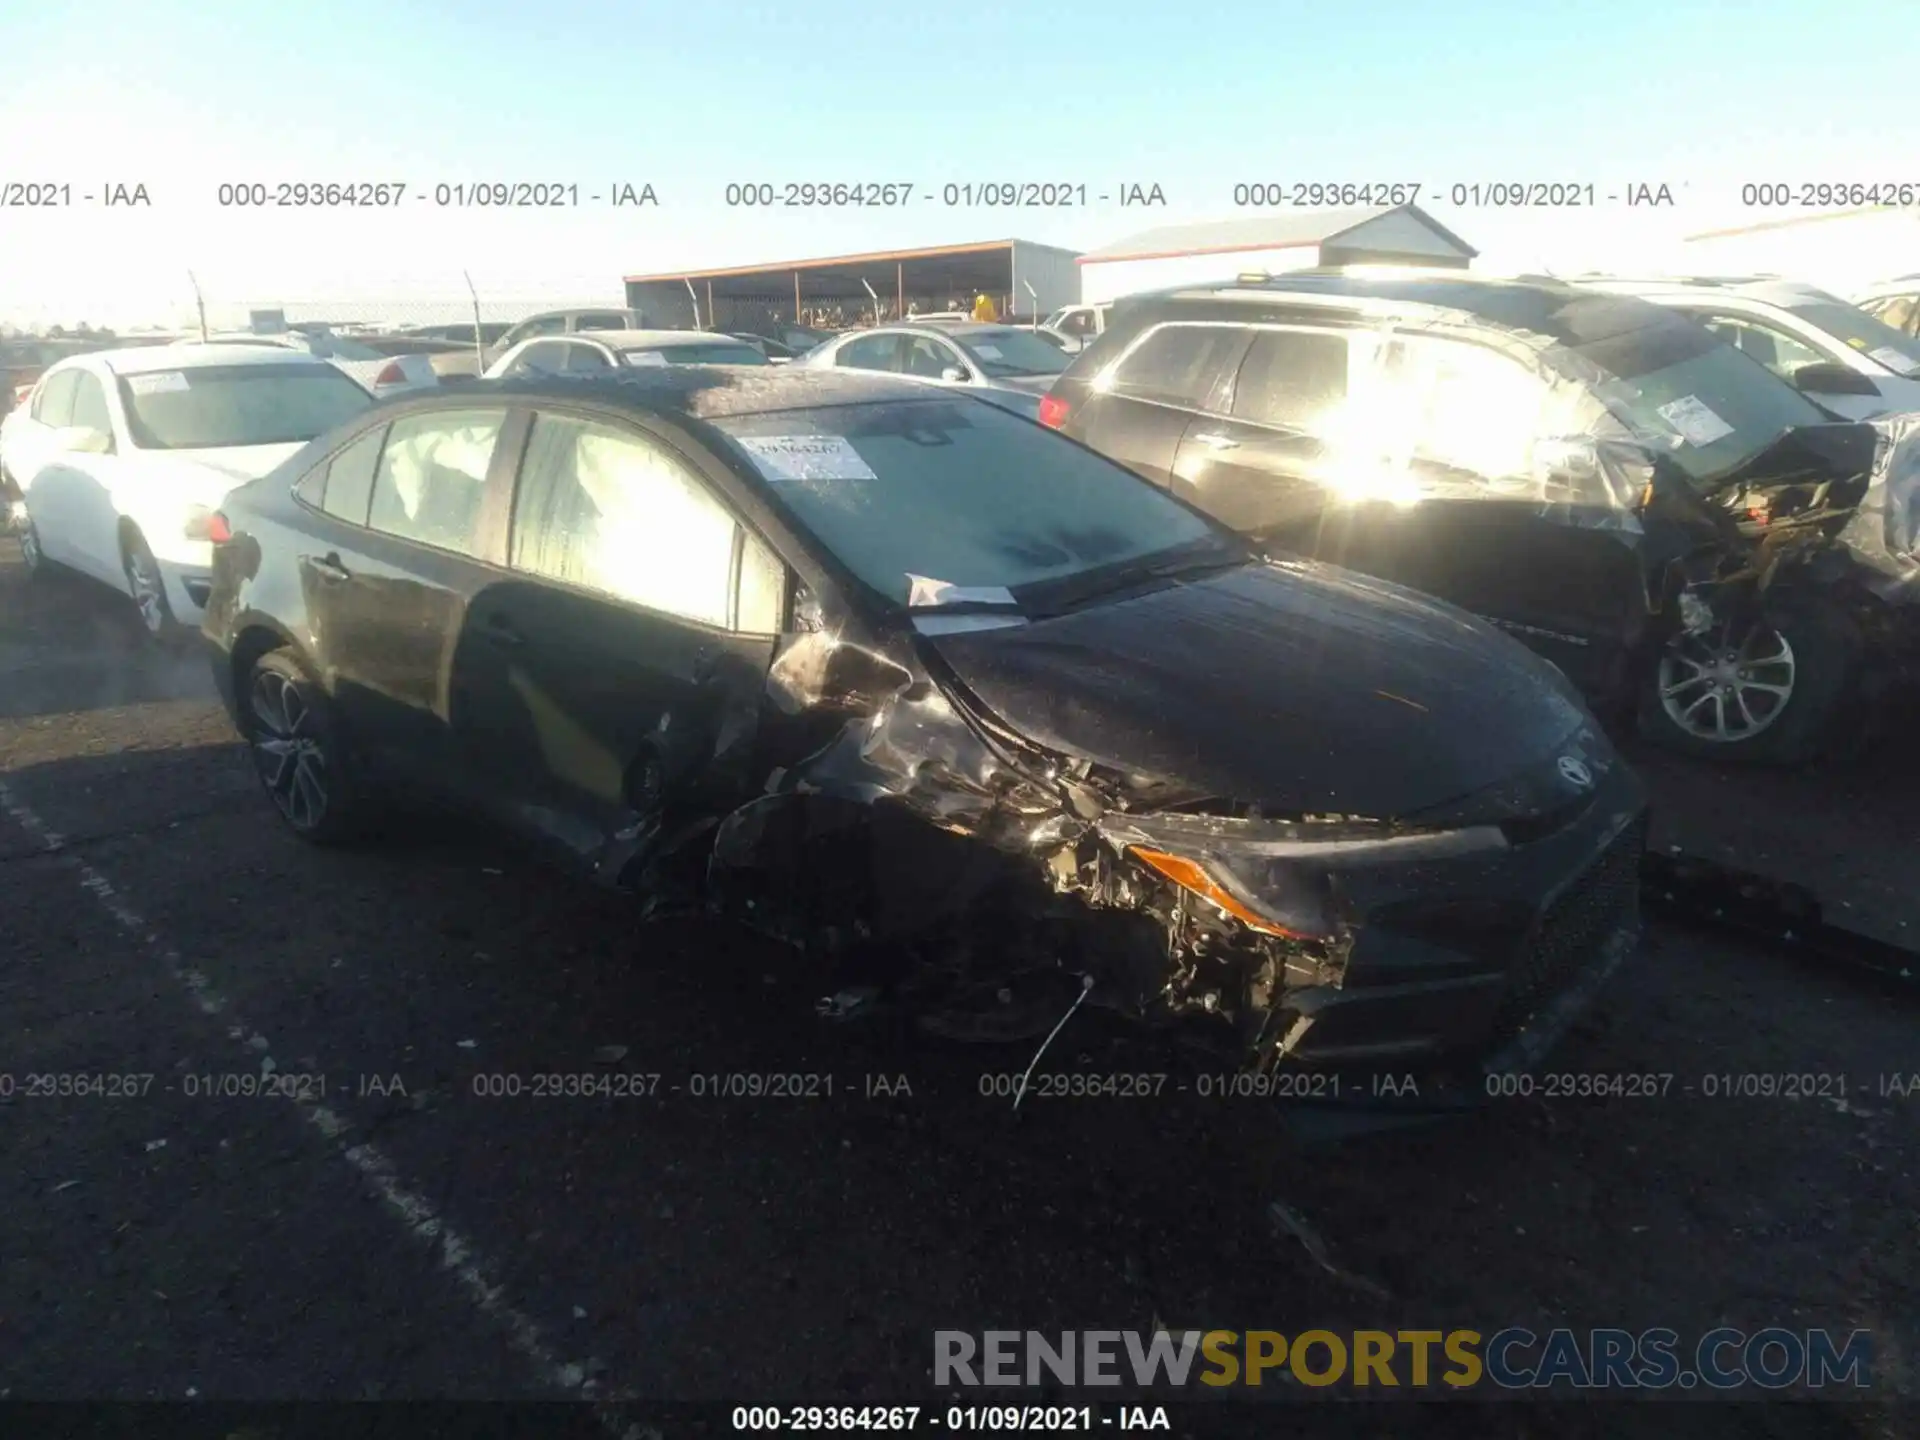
x: 979, y: 720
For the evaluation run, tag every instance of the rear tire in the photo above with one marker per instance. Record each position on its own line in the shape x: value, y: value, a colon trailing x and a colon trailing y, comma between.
x: 300, y: 753
x: 1719, y: 696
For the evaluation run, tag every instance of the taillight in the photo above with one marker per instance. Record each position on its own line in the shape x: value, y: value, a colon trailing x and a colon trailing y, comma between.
x: 392, y: 374
x: 1053, y: 411
x: 218, y: 531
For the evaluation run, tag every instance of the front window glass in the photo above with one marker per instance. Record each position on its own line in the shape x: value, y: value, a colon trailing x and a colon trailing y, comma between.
x: 616, y: 512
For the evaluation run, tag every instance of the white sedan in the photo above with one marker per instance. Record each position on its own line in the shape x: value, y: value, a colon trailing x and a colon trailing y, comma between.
x: 589, y: 352
x: 122, y: 457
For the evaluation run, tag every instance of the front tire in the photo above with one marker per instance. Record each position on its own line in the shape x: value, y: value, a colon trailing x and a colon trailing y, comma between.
x: 1769, y: 693
x: 148, y: 588
x: 300, y: 754
x: 31, y: 555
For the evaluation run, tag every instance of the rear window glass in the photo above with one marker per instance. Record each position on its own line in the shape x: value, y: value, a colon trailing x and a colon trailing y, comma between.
x: 1179, y: 364
x: 1291, y: 378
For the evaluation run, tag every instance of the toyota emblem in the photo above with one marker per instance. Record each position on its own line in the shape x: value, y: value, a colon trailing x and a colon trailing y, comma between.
x: 1576, y: 771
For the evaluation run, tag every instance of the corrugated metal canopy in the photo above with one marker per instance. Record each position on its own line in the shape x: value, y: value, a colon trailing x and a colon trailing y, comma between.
x: 984, y: 266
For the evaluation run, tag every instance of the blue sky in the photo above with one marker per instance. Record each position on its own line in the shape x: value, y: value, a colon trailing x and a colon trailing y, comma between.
x: 185, y: 95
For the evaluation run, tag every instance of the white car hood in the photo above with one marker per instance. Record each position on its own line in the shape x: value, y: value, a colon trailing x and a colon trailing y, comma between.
x: 218, y: 470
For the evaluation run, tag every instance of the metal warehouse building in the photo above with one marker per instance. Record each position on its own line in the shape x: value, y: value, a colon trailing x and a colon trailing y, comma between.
x: 1192, y: 254
x: 1022, y: 278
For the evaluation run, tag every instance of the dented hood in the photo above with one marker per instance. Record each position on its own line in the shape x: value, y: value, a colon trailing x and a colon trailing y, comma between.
x: 1301, y: 688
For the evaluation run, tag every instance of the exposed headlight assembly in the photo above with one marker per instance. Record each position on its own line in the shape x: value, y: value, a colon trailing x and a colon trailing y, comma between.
x: 1273, y: 875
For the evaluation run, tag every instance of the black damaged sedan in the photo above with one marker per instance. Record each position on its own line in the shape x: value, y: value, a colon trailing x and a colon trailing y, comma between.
x: 979, y: 720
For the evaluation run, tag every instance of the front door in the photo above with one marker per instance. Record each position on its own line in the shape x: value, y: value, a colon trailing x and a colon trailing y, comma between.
x: 612, y: 683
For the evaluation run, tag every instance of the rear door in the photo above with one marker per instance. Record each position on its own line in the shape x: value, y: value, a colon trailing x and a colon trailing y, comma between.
x: 614, y: 680
x: 1164, y: 379
x: 412, y: 526
x: 1251, y: 461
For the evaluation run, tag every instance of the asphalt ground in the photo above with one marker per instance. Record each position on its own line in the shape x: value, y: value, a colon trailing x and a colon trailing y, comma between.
x: 397, y: 1232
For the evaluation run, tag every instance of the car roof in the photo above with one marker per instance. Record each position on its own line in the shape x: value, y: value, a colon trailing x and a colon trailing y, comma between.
x: 1537, y: 305
x: 145, y: 359
x: 641, y: 339
x: 1767, y: 290
x: 711, y: 392
x: 921, y: 325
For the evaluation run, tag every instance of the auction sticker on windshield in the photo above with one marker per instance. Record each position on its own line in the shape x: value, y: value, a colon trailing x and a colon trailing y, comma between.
x: 645, y: 357
x: 922, y: 591
x: 806, y: 457
x: 163, y: 382
x: 1696, y: 423
x: 987, y: 352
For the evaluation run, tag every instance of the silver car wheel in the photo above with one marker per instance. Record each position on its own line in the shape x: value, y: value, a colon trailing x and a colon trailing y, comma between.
x: 292, y: 765
x: 149, y: 591
x: 1725, y: 689
x: 30, y: 547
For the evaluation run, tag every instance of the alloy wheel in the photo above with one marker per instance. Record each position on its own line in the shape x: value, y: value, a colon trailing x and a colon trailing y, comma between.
x: 30, y: 547
x: 149, y: 593
x: 1724, y: 686
x: 292, y: 764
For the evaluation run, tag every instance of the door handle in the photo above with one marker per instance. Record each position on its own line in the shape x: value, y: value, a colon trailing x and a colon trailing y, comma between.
x: 331, y: 568
x: 1217, y: 442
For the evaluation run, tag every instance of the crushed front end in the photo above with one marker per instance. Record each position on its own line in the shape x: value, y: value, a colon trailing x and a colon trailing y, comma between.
x: 936, y: 857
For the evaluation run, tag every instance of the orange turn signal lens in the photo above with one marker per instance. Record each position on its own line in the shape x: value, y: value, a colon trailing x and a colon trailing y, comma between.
x: 1189, y: 875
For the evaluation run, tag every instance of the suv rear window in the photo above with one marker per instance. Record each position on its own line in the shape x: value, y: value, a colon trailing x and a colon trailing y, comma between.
x: 1179, y: 364
x: 1291, y: 378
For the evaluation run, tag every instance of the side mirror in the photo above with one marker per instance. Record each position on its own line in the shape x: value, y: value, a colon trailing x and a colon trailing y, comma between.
x: 860, y: 677
x: 956, y: 374
x: 1830, y: 378
x: 82, y: 440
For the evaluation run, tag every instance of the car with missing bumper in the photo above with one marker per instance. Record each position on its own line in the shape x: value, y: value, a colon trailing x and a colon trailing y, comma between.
x: 119, y: 457
x: 1654, y: 512
x: 975, y: 718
